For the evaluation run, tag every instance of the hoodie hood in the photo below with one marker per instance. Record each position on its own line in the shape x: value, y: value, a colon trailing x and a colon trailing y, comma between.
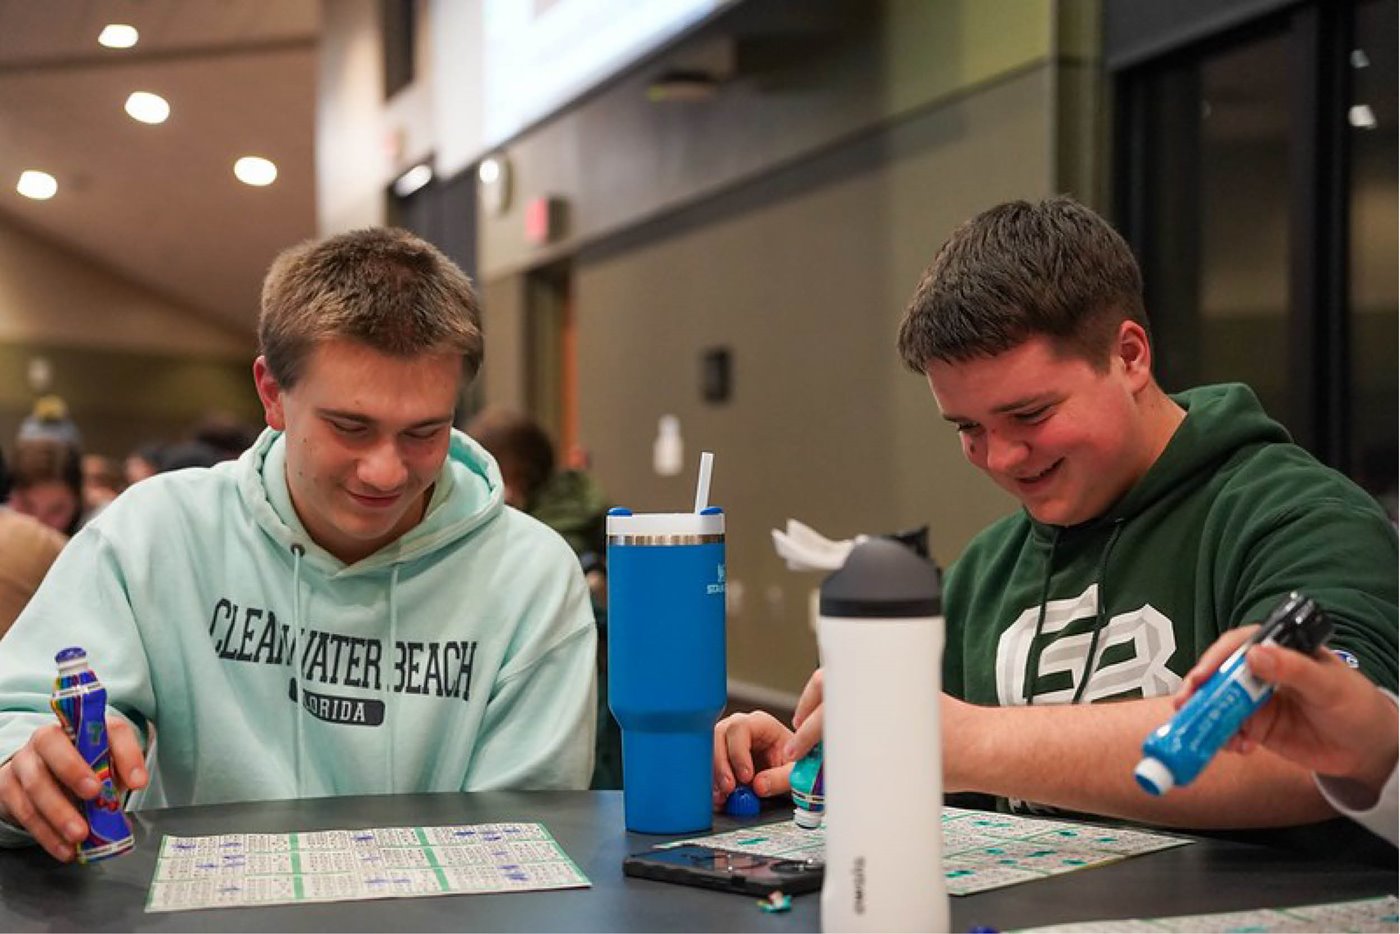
x: 467, y: 494
x: 1221, y: 422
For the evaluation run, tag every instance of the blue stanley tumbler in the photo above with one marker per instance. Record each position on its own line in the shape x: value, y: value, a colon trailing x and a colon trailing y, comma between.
x: 80, y: 701
x: 666, y: 671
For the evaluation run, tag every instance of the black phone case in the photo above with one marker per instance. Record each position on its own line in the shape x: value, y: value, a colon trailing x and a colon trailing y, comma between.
x: 725, y: 870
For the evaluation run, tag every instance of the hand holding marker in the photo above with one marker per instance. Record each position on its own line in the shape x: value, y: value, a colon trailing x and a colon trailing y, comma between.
x: 1176, y: 752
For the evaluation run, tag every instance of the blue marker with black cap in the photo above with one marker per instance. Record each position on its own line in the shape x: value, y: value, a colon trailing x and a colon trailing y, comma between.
x: 1176, y: 752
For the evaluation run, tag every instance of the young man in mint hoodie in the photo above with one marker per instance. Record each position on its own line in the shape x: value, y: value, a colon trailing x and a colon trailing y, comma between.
x: 1151, y: 524
x: 348, y: 608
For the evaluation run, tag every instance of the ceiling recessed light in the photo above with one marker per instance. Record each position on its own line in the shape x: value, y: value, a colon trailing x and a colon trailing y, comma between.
x: 147, y: 107
x: 41, y: 186
x: 118, y: 36
x: 255, y: 170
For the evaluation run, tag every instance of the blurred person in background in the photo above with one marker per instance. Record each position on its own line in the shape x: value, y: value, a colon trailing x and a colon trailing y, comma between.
x: 182, y: 454
x: 27, y: 548
x: 142, y: 462
x: 569, y: 502
x: 50, y: 421
x: 103, y: 479
x: 224, y: 434
x: 47, y: 483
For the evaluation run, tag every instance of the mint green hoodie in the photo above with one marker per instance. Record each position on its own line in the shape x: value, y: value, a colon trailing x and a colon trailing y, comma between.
x: 459, y: 657
x: 1229, y: 519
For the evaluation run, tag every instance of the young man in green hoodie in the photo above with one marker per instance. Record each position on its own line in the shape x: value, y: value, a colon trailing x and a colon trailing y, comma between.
x: 1151, y: 524
x: 346, y: 609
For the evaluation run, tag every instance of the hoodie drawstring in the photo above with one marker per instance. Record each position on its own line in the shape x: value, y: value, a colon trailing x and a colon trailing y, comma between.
x: 297, y: 553
x: 1100, y: 617
x: 1033, y: 655
x: 388, y: 696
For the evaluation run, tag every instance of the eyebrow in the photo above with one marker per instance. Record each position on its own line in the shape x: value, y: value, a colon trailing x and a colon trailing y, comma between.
x: 1040, y: 398
x: 361, y: 419
x: 1043, y: 398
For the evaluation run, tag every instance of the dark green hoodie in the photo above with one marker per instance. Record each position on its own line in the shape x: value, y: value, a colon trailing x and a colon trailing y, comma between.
x: 570, y: 503
x: 1228, y: 520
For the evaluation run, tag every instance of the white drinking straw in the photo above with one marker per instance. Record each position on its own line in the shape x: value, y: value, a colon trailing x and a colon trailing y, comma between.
x: 702, y: 489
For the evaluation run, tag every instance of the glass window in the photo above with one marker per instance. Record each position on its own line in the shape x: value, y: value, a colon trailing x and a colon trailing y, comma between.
x: 1373, y: 248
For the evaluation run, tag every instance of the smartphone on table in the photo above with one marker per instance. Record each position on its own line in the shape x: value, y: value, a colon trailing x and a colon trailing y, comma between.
x: 726, y: 870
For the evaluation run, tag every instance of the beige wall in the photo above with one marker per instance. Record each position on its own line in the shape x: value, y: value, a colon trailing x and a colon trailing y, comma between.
x: 50, y: 295
x: 352, y: 159
x: 132, y: 365
x: 364, y: 142
x: 804, y: 275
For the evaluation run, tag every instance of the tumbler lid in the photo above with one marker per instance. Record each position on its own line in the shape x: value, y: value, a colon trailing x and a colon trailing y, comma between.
x: 883, y: 579
x: 624, y: 522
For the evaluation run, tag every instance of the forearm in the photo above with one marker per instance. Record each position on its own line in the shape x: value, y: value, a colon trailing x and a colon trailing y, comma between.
x: 1081, y: 758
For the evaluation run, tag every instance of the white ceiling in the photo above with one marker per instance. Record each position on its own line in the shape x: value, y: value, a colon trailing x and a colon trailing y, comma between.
x: 159, y: 204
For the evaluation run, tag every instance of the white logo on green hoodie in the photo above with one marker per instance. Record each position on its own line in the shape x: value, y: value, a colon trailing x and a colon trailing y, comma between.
x: 1145, y: 634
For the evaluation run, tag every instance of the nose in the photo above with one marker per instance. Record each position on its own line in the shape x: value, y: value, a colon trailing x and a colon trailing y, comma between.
x: 382, y: 468
x: 1005, y: 454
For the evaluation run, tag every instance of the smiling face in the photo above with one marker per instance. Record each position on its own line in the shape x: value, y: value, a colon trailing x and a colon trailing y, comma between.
x: 1064, y: 438
x: 366, y: 435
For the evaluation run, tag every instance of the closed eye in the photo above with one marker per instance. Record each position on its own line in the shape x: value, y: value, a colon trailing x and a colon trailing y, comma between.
x: 1033, y: 416
x: 348, y: 429
x: 426, y: 434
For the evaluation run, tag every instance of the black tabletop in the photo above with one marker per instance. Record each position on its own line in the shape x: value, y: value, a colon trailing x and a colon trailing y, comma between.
x: 1211, y: 875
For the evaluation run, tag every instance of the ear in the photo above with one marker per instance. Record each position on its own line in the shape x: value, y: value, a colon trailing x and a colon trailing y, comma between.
x: 1133, y: 351
x: 270, y: 394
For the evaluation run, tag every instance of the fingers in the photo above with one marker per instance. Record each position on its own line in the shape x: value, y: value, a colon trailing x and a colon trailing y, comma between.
x: 1210, y: 660
x: 128, y: 760
x: 774, y: 781
x: 1321, y: 680
x: 808, y: 734
x: 18, y: 809
x: 810, y: 700
x: 753, y: 732
x: 35, y: 788
x: 723, y: 780
x: 738, y: 738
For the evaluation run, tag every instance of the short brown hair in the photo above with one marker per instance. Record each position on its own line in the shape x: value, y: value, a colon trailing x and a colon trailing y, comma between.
x: 1021, y: 270
x: 380, y: 286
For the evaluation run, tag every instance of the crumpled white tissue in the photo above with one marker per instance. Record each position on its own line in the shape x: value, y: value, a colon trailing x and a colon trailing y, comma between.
x: 805, y: 549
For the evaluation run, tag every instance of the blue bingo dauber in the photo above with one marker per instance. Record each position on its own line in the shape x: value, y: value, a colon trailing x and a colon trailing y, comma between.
x: 80, y: 701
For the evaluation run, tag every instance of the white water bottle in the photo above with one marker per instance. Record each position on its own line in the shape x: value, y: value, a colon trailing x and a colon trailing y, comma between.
x: 881, y: 638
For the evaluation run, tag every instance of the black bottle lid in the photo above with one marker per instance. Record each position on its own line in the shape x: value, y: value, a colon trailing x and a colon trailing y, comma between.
x: 883, y: 579
x: 1298, y: 623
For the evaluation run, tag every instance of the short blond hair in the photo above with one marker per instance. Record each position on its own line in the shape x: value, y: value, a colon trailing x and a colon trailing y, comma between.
x: 380, y: 286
